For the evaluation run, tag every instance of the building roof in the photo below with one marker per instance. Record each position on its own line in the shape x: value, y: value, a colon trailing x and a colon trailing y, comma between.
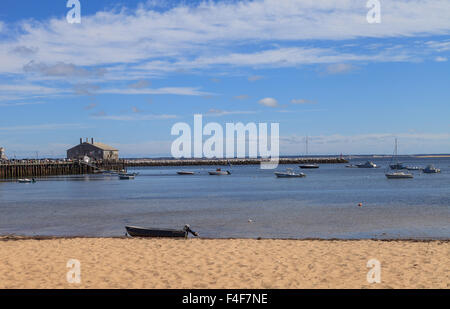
x: 98, y: 145
x: 104, y: 146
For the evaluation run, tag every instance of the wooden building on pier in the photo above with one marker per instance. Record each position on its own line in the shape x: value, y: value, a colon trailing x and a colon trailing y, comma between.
x: 93, y: 150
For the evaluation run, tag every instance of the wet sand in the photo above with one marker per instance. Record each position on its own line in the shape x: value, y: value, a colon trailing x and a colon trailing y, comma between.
x: 222, y: 263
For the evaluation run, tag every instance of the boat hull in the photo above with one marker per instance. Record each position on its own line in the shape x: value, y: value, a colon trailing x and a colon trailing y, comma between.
x: 308, y: 166
x: 282, y: 175
x: 219, y: 173
x: 150, y: 232
x: 396, y: 176
x: 185, y: 173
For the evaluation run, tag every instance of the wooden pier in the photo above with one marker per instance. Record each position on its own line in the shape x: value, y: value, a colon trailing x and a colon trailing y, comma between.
x: 14, y: 170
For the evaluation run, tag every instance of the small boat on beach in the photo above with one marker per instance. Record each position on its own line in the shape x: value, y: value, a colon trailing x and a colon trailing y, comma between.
x: 309, y: 166
x: 367, y: 164
x: 135, y: 231
x: 219, y: 172
x: 185, y: 173
x: 288, y: 174
x: 430, y: 169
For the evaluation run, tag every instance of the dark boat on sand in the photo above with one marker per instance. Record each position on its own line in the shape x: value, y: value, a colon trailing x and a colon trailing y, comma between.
x: 135, y: 231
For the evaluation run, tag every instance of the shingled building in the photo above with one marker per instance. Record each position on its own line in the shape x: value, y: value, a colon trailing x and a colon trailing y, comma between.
x: 93, y: 150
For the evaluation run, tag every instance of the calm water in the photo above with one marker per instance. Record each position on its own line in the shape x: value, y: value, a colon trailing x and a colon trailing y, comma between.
x: 324, y: 204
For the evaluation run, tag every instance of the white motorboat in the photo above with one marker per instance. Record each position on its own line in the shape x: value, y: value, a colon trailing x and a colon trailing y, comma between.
x: 185, y: 173
x: 368, y: 164
x: 219, y: 172
x: 399, y: 175
x: 289, y: 173
x: 26, y: 180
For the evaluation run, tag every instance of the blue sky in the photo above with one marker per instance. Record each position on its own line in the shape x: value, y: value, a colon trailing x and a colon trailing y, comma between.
x: 132, y: 69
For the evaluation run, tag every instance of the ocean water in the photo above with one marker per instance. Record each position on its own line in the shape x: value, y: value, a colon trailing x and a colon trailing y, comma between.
x: 322, y: 205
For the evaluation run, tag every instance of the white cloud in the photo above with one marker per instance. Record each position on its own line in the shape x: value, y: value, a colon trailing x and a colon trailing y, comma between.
x: 184, y: 31
x: 166, y: 90
x: 219, y: 112
x: 270, y: 102
x: 134, y: 117
x: 339, y: 68
x: 302, y: 101
x: 440, y: 59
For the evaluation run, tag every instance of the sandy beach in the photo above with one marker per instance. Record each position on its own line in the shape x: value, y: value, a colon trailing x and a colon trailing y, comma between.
x: 222, y: 263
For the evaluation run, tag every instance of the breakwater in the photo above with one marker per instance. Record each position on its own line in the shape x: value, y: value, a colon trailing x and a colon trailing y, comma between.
x: 234, y: 161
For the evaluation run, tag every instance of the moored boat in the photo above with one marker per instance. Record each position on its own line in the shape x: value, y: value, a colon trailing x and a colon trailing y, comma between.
x: 430, y: 169
x: 185, y: 173
x: 309, y: 166
x: 399, y: 175
x: 367, y: 164
x: 127, y: 176
x: 135, y: 231
x: 26, y: 180
x: 288, y: 174
x: 398, y: 166
x: 219, y: 172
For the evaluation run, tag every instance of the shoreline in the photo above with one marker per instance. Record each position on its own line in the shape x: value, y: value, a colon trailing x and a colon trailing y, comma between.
x: 111, y: 263
x: 14, y: 237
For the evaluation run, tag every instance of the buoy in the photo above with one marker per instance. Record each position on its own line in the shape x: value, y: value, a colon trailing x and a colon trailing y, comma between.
x: 360, y: 204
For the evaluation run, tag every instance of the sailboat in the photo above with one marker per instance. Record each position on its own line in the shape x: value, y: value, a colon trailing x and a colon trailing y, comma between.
x: 397, y: 174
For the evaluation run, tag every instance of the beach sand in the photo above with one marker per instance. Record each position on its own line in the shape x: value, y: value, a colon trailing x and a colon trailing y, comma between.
x: 223, y: 263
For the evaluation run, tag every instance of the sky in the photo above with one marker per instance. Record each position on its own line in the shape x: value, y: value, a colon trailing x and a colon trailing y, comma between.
x: 132, y: 69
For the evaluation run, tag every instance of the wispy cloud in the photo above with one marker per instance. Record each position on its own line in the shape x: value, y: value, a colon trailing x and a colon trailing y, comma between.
x: 270, y: 102
x: 219, y: 112
x: 46, y: 126
x: 302, y: 101
x: 134, y: 117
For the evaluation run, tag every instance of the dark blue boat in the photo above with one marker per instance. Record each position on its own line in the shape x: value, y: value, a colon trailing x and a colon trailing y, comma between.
x: 135, y: 231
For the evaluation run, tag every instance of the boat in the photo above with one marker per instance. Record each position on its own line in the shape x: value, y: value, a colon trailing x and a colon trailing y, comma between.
x: 414, y: 168
x: 127, y: 176
x: 219, y: 172
x: 26, y: 180
x: 289, y: 174
x: 135, y: 231
x: 397, y: 174
x: 430, y: 169
x: 185, y: 173
x: 367, y: 164
x: 309, y: 166
x: 398, y: 166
